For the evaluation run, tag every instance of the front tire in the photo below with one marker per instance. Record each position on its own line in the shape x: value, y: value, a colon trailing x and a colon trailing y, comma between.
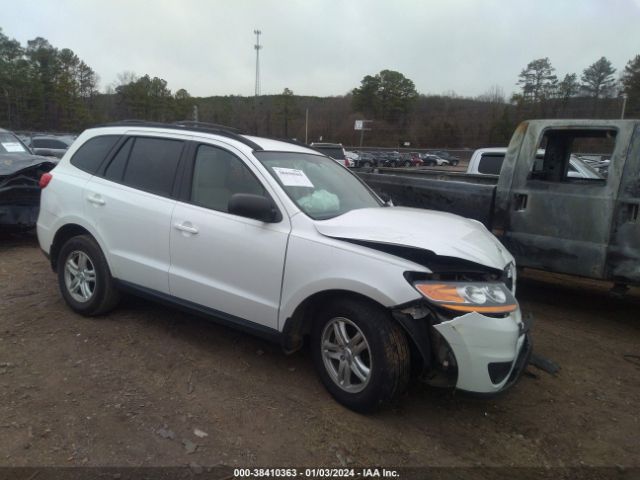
x: 84, y: 277
x: 360, y: 353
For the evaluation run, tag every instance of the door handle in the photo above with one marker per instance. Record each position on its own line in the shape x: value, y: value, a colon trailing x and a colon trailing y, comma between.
x: 521, y: 200
x: 186, y: 227
x: 96, y: 199
x: 633, y: 212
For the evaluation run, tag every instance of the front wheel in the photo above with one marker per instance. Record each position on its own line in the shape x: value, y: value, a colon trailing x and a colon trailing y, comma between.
x: 360, y: 353
x: 84, y: 277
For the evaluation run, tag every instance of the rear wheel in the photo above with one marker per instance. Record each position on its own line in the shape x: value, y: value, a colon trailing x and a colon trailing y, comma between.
x: 360, y: 353
x: 84, y: 277
x: 407, y: 163
x: 366, y: 164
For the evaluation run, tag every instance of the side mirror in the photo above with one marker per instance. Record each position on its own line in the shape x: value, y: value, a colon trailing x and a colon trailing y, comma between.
x: 253, y: 206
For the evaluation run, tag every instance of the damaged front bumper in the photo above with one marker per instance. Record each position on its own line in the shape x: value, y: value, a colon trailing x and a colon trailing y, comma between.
x: 474, y: 353
x: 490, y: 353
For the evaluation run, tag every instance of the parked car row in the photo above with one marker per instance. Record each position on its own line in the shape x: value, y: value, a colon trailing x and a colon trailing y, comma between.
x: 392, y: 159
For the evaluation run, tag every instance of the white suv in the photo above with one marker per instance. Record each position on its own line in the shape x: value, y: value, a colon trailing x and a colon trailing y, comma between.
x: 283, y: 242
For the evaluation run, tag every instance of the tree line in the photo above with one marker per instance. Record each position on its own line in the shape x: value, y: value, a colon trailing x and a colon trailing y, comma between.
x: 43, y: 88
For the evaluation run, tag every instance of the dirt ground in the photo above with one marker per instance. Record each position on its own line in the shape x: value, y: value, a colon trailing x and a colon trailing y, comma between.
x: 131, y: 388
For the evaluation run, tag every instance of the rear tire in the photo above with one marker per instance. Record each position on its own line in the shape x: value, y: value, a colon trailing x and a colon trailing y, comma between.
x: 407, y: 163
x: 370, y: 366
x: 84, y: 277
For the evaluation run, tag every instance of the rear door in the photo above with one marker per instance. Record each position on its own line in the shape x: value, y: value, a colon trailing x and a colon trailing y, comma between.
x: 130, y: 204
x: 556, y: 221
x: 230, y: 264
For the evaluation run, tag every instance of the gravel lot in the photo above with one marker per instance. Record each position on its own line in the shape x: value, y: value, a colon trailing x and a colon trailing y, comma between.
x: 151, y: 386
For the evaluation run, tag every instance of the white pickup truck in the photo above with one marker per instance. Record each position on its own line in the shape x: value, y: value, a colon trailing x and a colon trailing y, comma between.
x: 488, y: 161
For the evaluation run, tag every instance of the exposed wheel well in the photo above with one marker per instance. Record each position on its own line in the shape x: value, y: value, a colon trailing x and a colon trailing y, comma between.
x: 298, y: 326
x: 62, y: 235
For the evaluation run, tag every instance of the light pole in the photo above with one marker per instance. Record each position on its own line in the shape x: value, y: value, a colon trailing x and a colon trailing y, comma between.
x: 258, y: 47
x: 624, y: 104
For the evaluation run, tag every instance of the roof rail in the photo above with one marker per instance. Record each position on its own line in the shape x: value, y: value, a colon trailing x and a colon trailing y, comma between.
x: 193, y: 123
x: 292, y: 142
x: 187, y: 125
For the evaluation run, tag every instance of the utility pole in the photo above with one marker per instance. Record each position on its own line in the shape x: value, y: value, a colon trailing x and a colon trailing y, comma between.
x: 258, y: 47
x: 306, y: 126
x: 624, y: 104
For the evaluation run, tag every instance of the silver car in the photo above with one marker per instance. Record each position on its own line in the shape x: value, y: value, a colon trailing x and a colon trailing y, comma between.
x: 50, y: 146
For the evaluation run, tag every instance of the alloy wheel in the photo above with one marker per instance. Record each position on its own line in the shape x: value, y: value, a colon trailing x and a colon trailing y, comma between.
x: 80, y: 276
x: 346, y: 354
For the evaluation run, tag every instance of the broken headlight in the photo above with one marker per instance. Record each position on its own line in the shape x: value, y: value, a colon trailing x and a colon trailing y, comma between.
x: 489, y: 297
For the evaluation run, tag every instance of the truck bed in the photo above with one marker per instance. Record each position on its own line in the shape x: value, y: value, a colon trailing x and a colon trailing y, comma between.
x: 471, y: 196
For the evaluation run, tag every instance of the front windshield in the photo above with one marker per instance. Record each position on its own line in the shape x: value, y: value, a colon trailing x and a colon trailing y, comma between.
x: 10, y: 144
x: 318, y: 185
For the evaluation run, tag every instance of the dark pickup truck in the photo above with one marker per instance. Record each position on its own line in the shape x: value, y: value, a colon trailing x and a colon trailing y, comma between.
x: 547, y: 218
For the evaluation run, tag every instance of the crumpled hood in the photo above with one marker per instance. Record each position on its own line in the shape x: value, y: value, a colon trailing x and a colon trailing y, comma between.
x: 11, y: 163
x: 442, y: 233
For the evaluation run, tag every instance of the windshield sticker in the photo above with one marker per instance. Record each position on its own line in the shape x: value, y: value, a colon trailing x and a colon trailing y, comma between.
x: 13, y: 147
x: 291, y: 177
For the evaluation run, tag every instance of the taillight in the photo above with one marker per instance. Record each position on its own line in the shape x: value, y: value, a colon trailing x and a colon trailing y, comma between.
x: 45, y: 179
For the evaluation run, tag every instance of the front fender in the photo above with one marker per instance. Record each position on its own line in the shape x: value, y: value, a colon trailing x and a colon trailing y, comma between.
x: 313, y: 267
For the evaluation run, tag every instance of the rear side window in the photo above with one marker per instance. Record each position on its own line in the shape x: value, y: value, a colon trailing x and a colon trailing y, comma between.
x: 152, y: 165
x: 491, y: 163
x: 116, y: 167
x: 91, y: 154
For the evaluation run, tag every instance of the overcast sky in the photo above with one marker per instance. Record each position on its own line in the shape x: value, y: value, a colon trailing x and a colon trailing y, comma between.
x: 326, y: 47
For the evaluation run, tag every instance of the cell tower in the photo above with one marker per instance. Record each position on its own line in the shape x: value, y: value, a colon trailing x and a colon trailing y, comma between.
x: 257, y: 46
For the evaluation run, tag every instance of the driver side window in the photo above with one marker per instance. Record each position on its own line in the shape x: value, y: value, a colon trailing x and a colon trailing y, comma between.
x: 577, y: 156
x: 217, y: 175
